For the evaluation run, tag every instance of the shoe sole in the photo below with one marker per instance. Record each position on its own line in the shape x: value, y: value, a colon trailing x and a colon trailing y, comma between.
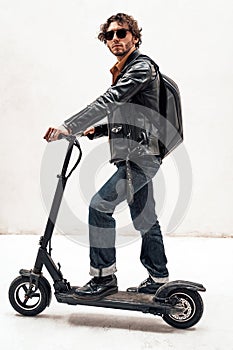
x: 144, y: 291
x: 132, y: 290
x: 96, y: 297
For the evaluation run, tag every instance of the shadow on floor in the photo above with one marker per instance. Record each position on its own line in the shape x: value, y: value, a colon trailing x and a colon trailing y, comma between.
x: 133, y: 323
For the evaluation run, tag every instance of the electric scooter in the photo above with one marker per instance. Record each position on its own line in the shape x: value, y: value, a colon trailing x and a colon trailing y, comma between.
x: 178, y: 303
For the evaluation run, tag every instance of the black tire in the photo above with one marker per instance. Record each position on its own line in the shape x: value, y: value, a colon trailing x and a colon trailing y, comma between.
x: 33, y: 303
x: 193, y: 309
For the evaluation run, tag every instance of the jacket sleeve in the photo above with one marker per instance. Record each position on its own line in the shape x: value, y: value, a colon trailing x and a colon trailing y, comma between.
x: 136, y: 77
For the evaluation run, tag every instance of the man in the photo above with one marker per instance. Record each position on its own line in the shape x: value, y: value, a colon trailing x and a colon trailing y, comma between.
x: 131, y: 105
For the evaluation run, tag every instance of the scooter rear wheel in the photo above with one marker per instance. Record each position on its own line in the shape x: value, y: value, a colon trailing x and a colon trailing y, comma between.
x: 28, y: 300
x: 192, y: 305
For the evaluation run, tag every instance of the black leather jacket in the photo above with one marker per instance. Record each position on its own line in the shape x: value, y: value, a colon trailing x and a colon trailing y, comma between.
x: 131, y: 106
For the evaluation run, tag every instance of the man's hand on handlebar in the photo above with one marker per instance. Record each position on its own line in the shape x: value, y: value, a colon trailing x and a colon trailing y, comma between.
x: 53, y: 134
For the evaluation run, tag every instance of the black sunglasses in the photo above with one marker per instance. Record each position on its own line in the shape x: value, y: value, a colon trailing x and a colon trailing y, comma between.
x: 120, y: 33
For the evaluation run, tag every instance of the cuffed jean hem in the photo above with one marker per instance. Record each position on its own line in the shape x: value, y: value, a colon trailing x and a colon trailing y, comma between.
x: 105, y: 271
x: 160, y: 279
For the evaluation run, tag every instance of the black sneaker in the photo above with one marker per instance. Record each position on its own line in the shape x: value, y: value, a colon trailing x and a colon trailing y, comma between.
x: 149, y: 286
x: 97, y: 288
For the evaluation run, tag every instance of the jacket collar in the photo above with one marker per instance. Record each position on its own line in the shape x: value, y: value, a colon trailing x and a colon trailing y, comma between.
x: 129, y: 60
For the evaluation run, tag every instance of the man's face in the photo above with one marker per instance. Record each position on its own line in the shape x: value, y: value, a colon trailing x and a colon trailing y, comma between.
x: 120, y: 47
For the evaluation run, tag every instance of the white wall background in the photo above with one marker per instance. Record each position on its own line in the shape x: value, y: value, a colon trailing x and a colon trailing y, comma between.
x: 52, y: 65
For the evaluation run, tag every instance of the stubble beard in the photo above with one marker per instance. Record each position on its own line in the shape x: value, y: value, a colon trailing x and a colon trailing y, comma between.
x: 128, y: 47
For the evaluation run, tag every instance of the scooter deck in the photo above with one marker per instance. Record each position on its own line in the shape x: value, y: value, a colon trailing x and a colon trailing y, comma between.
x: 121, y: 300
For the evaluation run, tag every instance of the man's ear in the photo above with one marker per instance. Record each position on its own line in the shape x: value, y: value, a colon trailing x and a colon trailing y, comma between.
x: 135, y: 40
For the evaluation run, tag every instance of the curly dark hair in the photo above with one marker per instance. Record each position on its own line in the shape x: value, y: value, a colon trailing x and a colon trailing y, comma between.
x: 121, y: 18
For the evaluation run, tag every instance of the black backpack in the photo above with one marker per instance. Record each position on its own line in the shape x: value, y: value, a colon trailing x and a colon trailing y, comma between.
x: 171, y: 126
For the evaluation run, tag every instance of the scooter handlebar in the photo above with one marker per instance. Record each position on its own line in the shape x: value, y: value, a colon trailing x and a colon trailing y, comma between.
x: 62, y: 136
x: 73, y: 141
x: 67, y: 137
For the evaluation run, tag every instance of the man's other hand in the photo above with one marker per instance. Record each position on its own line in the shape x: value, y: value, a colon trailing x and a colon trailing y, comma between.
x: 89, y: 130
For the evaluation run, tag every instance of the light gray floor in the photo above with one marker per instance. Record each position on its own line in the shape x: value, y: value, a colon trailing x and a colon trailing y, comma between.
x: 205, y: 260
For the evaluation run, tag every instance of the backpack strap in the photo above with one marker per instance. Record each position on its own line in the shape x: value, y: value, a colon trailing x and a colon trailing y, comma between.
x: 162, y: 96
x: 162, y: 88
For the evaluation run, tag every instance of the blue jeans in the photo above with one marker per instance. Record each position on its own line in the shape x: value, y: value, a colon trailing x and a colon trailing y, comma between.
x: 142, y: 209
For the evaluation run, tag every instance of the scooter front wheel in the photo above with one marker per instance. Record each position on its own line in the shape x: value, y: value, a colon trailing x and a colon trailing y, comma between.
x: 191, y: 305
x: 27, y: 298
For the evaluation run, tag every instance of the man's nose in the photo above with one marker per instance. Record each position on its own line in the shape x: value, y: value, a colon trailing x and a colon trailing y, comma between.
x: 115, y: 36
